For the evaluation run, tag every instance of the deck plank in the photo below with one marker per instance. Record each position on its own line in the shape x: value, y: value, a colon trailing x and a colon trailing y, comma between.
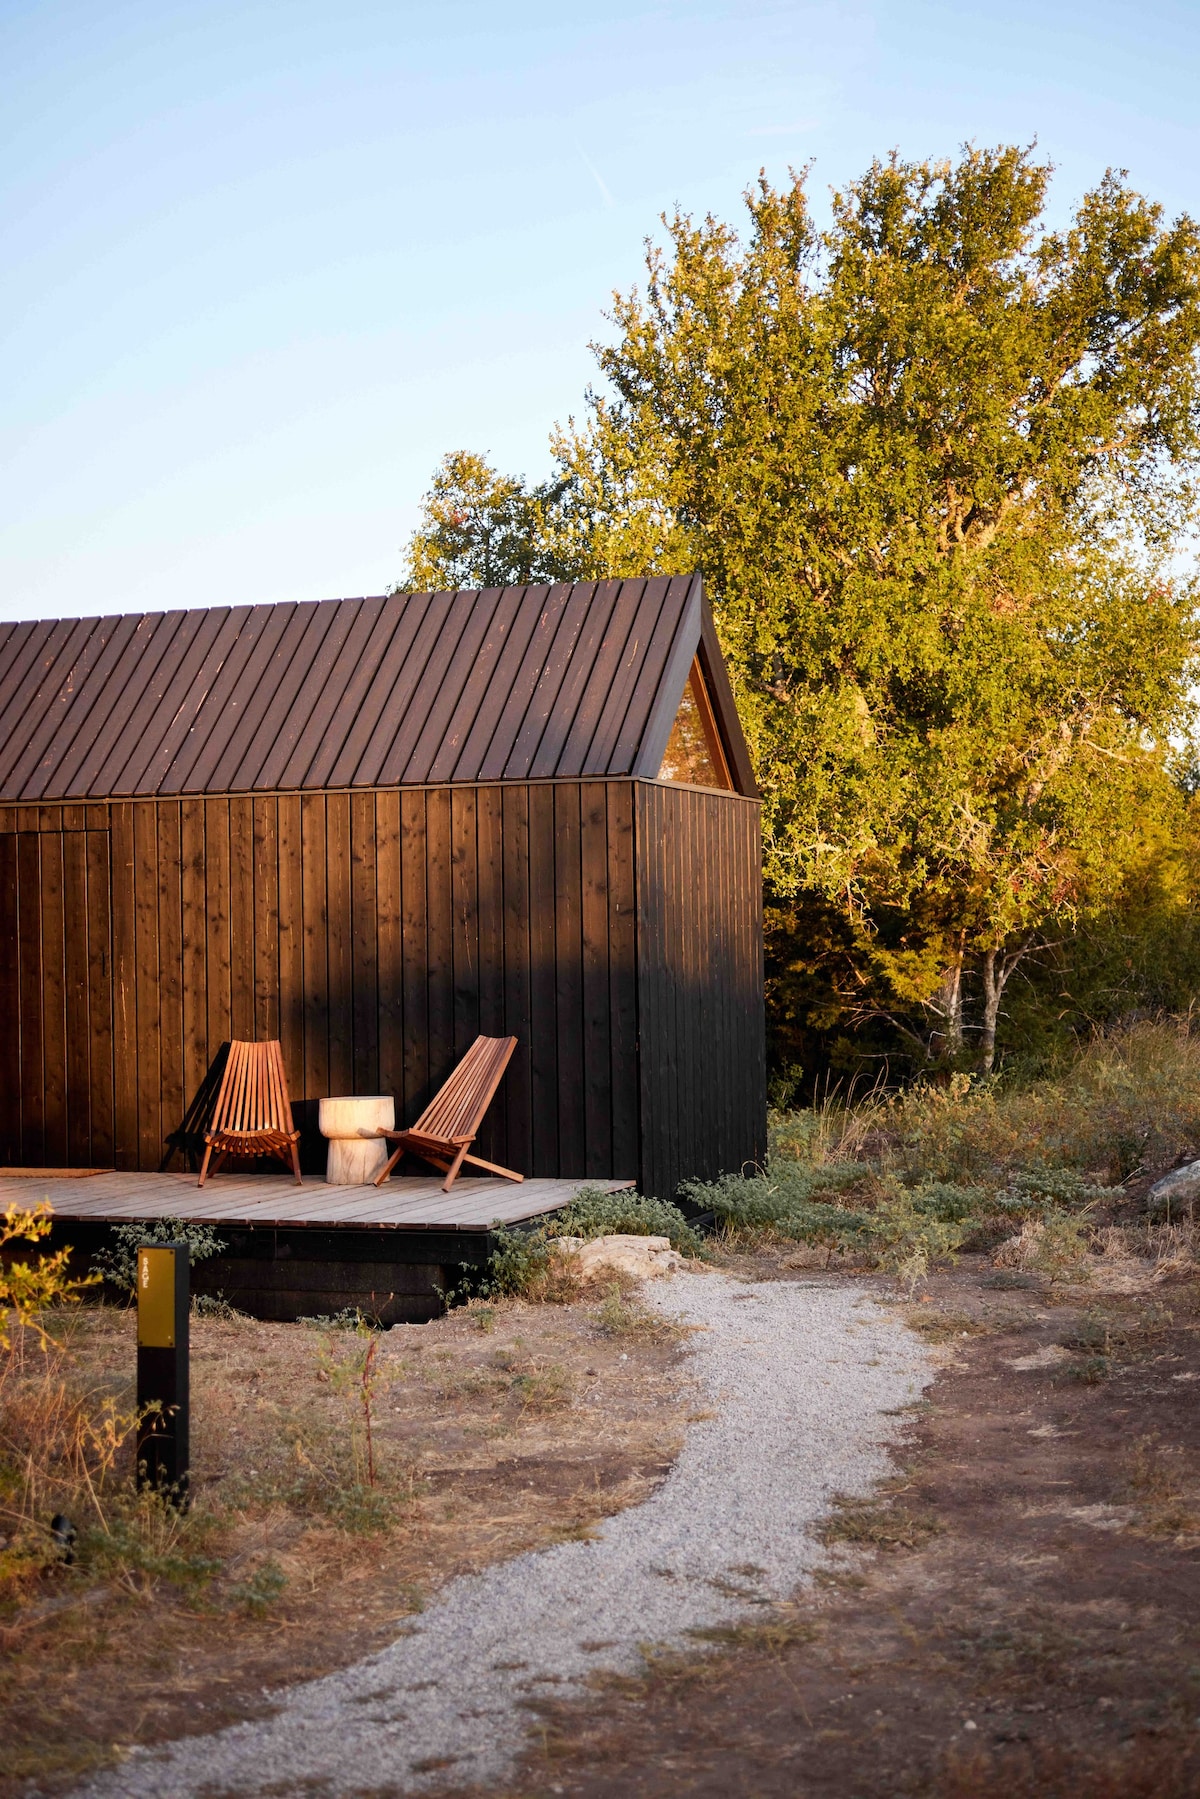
x: 407, y: 1203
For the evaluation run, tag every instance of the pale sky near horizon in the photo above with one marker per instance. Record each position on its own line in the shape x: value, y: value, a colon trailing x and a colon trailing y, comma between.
x: 265, y: 264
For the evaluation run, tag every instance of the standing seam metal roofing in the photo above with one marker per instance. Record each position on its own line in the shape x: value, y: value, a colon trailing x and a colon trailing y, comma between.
x: 409, y: 689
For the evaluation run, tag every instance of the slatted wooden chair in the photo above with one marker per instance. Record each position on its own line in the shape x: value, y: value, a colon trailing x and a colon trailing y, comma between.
x: 253, y: 1115
x: 450, y: 1122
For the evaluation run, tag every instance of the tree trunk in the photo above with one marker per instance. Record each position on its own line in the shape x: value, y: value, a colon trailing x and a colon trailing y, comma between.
x: 994, y: 977
x: 996, y: 971
x: 948, y: 1002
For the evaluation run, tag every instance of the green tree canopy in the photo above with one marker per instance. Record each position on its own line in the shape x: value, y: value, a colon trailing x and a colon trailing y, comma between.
x: 936, y: 462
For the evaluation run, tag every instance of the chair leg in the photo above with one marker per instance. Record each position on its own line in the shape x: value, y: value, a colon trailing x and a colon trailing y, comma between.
x: 510, y: 1174
x: 388, y: 1166
x: 204, y: 1165
x: 296, y: 1164
x: 452, y: 1172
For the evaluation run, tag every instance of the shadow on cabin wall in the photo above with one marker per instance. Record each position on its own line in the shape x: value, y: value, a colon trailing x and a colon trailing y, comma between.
x: 187, y: 1140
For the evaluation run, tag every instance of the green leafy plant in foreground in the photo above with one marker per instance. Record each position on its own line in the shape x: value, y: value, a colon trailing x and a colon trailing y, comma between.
x: 28, y: 1288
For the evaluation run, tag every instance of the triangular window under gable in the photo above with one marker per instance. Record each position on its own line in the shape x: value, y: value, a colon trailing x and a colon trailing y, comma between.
x: 695, y: 755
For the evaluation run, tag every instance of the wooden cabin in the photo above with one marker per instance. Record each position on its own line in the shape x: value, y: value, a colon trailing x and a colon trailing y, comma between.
x: 374, y: 828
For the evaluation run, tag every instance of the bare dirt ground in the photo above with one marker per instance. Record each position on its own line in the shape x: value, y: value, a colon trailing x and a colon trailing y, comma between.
x: 495, y: 1430
x: 1017, y: 1615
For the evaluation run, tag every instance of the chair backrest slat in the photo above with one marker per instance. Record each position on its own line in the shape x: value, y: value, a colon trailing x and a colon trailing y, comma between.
x: 253, y: 1095
x: 457, y: 1109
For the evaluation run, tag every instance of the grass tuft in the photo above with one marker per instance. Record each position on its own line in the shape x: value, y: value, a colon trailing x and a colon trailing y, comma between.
x: 875, y: 1523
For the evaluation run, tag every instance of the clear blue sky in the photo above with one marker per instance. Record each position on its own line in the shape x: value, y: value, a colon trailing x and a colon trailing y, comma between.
x: 265, y: 263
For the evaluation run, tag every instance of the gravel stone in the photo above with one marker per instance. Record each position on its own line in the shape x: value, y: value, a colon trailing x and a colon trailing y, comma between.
x: 803, y: 1378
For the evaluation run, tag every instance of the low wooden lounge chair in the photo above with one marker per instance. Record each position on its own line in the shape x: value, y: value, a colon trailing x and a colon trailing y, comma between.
x: 253, y: 1115
x: 450, y: 1122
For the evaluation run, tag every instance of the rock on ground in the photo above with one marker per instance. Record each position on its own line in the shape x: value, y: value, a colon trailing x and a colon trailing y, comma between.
x: 643, y: 1257
x: 1179, y: 1188
x: 804, y: 1380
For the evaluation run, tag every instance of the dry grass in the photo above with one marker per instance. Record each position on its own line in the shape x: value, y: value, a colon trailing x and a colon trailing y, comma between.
x: 939, y: 1326
x: 1141, y: 1768
x: 1033, y: 1173
x: 1056, y: 1247
x: 1128, y: 1101
x: 1156, y: 1486
x: 876, y: 1522
x: 622, y: 1314
x: 499, y: 1428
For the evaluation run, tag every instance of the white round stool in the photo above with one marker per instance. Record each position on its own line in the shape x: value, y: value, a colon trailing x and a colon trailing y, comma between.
x: 355, y: 1160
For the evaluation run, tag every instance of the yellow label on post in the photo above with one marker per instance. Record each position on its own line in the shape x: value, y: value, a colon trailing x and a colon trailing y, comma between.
x: 156, y: 1298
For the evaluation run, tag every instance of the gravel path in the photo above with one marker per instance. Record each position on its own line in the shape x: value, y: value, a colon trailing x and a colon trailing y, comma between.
x: 802, y: 1378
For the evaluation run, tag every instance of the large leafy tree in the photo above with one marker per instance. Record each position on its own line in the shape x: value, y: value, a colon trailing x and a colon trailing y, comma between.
x: 936, y: 461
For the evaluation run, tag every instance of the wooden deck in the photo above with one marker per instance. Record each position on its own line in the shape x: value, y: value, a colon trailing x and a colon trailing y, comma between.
x: 404, y: 1204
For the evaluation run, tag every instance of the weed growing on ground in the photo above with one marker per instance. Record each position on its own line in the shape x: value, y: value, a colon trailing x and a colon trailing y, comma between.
x: 876, y: 1522
x: 1155, y: 1488
x: 1089, y: 1371
x: 67, y: 1449
x: 215, y: 1305
x: 522, y: 1265
x: 350, y: 1318
x: 543, y: 1388
x: 1055, y: 1245
x: 527, y: 1264
x: 622, y: 1314
x: 352, y: 1371
x: 260, y: 1589
x: 944, y: 1327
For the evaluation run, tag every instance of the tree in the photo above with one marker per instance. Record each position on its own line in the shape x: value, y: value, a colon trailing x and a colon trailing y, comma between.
x: 478, y: 529
x: 935, y: 462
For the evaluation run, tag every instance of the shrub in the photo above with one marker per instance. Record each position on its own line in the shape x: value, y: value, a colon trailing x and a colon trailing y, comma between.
x: 904, y: 1239
x: 29, y: 1288
x: 896, y: 1227
x: 520, y: 1261
x: 1031, y: 1191
x: 947, y: 1201
x: 783, y: 1206
x: 595, y: 1213
x: 1054, y: 1244
x: 117, y: 1263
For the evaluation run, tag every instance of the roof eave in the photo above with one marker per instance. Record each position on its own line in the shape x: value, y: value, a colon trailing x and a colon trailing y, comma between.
x: 696, y: 636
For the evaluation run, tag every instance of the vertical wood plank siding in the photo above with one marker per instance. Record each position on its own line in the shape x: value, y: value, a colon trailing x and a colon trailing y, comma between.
x: 702, y: 1060
x: 613, y: 926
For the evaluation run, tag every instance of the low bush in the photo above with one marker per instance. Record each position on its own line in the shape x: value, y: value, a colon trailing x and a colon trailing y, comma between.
x: 520, y: 1263
x: 595, y: 1213
x: 897, y: 1179
x: 117, y: 1261
x: 524, y: 1264
x: 27, y: 1289
x: 854, y: 1210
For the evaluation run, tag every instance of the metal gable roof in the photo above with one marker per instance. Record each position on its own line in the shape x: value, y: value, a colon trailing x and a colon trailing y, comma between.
x: 516, y: 683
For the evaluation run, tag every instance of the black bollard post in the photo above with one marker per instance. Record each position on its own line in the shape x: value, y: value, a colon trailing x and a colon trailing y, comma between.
x: 162, y: 1369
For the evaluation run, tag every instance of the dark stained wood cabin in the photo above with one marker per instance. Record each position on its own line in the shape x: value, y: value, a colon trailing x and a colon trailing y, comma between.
x: 373, y: 828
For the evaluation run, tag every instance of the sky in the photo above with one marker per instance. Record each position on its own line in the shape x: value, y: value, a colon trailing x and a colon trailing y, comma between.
x: 264, y: 264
